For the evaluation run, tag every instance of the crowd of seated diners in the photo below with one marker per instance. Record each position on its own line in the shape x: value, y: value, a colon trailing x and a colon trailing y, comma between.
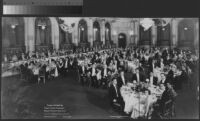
x: 116, y: 69
x: 165, y: 69
x: 40, y: 66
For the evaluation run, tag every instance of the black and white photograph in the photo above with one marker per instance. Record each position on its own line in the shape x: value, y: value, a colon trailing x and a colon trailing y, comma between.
x: 99, y: 68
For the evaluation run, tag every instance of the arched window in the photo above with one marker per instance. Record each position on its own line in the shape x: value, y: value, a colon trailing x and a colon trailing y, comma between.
x: 145, y: 36
x: 96, y: 31
x: 42, y: 31
x: 163, y: 35
x: 122, y: 40
x: 82, y: 31
x: 186, y: 33
x: 13, y: 32
x: 107, y: 32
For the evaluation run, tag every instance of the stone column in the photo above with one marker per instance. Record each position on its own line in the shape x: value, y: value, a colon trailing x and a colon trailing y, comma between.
x: 174, y: 33
x: 75, y: 33
x: 102, y: 26
x: 131, y: 32
x: 30, y: 33
x: 26, y: 34
x: 114, y: 34
x: 196, y: 40
x: 154, y: 36
x: 137, y: 32
x: 90, y: 31
x: 54, y: 33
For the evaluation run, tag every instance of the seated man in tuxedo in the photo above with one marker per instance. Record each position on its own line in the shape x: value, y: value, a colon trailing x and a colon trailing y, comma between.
x: 82, y: 72
x: 138, y: 76
x: 170, y: 74
x: 168, y: 94
x: 121, y: 79
x: 114, y: 94
x: 141, y: 68
x: 88, y: 78
x: 164, y: 80
x: 152, y: 79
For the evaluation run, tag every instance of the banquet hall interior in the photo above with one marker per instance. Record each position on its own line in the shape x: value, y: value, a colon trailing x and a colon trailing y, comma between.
x: 99, y: 68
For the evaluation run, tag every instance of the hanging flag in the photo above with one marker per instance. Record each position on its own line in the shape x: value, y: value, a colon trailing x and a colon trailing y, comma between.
x: 66, y: 28
x: 146, y: 23
x: 165, y: 21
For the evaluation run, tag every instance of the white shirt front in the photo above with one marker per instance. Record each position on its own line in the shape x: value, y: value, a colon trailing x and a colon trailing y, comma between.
x: 138, y: 77
x: 66, y: 64
x: 116, y: 90
x: 163, y: 80
x: 93, y: 72
x: 151, y: 80
x: 123, y: 79
x: 36, y: 71
x: 105, y: 72
x: 99, y: 75
x: 83, y: 69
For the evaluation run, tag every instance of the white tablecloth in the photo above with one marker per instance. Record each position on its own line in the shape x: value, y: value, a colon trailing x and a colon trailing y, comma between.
x: 136, y: 103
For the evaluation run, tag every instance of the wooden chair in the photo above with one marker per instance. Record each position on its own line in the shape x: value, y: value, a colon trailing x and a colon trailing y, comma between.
x: 51, y: 74
x: 116, y: 106
x: 42, y: 75
x: 22, y: 73
x: 169, y: 110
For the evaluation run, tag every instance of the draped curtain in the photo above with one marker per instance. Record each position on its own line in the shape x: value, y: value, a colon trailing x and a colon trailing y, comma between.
x: 145, y: 35
x: 65, y: 37
x: 62, y: 36
x: 68, y: 37
x: 97, y: 36
x: 163, y: 34
x: 107, y: 32
x: 186, y: 32
x: 82, y: 30
x: 13, y: 36
x: 43, y: 34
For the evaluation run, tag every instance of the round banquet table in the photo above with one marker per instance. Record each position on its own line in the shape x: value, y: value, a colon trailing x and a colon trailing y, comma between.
x: 136, y: 102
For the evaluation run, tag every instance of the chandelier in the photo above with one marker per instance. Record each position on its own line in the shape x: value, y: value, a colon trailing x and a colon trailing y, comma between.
x: 147, y: 23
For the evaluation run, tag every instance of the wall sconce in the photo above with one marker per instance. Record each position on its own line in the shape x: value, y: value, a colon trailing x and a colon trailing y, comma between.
x: 185, y: 28
x: 13, y: 26
x: 163, y: 29
x: 95, y: 29
x: 82, y: 29
x: 43, y: 27
x: 131, y: 33
x: 120, y: 36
